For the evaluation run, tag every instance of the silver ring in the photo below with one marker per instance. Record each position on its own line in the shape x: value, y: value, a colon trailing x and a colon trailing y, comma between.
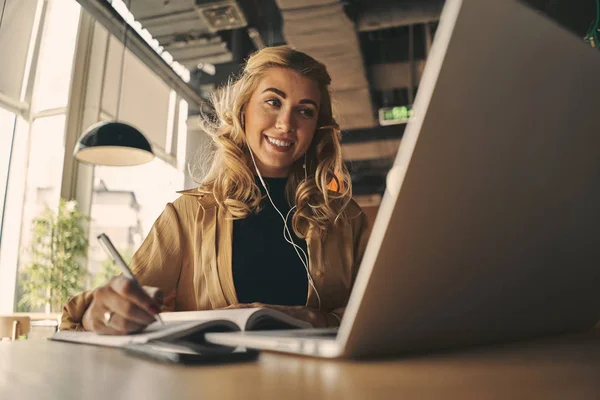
x: 107, y: 317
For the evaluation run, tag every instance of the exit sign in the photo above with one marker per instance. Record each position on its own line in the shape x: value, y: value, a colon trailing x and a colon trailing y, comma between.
x: 394, y: 115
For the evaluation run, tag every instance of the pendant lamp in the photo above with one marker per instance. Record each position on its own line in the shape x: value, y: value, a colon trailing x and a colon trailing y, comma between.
x: 114, y: 143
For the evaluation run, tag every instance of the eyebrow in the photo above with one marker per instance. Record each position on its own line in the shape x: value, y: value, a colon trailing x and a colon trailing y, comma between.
x: 282, y: 94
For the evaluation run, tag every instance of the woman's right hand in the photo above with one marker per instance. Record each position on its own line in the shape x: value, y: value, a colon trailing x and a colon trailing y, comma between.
x: 131, y: 308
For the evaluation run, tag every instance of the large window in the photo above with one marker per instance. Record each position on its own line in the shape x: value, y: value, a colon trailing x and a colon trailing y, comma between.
x: 19, y: 23
x: 44, y: 173
x: 19, y: 34
x: 7, y: 124
x: 13, y: 212
x: 126, y: 202
x: 37, y: 44
x: 46, y: 144
x: 55, y: 63
x: 38, y: 47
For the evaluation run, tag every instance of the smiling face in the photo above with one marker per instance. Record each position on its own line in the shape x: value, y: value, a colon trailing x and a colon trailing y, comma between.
x: 280, y: 120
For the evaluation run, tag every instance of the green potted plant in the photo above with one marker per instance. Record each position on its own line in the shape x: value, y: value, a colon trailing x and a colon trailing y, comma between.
x: 56, y: 270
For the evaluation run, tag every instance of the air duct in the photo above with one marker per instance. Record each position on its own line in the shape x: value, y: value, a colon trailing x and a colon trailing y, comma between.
x: 383, y: 14
x: 321, y: 29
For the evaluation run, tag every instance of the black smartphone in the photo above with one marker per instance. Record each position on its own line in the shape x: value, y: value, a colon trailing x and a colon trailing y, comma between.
x: 177, y: 354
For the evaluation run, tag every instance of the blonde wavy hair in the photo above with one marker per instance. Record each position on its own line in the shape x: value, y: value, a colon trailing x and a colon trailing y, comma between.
x: 231, y: 178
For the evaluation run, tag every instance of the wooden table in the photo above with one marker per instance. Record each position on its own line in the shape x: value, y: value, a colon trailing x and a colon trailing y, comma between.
x: 566, y: 367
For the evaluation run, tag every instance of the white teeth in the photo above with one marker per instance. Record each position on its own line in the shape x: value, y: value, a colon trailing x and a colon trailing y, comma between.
x: 279, y: 143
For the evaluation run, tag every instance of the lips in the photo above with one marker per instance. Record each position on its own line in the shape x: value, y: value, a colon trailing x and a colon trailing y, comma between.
x: 279, y: 144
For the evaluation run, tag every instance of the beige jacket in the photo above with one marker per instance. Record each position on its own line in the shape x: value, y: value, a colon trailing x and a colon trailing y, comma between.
x: 188, y: 253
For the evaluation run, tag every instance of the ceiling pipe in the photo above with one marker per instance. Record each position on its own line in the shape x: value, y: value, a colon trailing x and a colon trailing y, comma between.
x: 377, y: 15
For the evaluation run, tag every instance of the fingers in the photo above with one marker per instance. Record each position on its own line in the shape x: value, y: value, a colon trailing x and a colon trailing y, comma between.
x: 131, y: 292
x: 116, y: 325
x: 155, y: 294
x: 130, y: 306
x: 128, y: 310
x: 119, y: 325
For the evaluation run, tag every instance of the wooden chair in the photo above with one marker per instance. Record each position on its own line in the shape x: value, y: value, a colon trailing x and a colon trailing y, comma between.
x: 14, y: 326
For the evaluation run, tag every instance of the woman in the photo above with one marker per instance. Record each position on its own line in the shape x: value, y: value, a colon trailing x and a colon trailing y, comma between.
x: 236, y: 241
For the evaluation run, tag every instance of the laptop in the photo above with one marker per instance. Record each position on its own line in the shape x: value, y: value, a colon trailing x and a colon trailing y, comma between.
x: 489, y: 229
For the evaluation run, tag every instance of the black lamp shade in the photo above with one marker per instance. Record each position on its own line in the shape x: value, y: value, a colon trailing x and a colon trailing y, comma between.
x: 113, y: 144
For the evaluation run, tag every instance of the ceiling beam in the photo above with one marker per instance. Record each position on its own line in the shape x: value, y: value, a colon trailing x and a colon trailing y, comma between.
x: 383, y: 14
x: 108, y: 17
x: 370, y: 150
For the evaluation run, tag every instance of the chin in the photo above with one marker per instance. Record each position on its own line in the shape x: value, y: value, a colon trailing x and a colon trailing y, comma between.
x: 272, y: 167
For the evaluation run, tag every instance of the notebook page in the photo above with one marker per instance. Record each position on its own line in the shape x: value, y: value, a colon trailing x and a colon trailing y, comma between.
x: 238, y: 316
x: 154, y: 331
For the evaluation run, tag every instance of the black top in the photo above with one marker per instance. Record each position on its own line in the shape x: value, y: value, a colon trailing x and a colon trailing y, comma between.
x: 266, y: 268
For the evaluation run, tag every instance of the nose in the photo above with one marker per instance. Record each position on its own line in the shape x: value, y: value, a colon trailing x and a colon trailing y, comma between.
x: 285, y: 121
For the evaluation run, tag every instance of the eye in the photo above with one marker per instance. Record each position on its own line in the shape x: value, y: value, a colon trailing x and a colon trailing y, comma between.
x: 274, y: 102
x: 307, y: 112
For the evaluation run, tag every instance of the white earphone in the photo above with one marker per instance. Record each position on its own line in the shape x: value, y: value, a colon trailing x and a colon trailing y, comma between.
x: 288, y: 238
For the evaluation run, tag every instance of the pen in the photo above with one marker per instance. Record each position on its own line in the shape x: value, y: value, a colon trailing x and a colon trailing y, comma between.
x: 114, y: 254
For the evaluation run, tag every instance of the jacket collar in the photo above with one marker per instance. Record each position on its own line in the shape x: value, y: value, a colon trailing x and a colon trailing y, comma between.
x: 215, y: 253
x: 206, y: 200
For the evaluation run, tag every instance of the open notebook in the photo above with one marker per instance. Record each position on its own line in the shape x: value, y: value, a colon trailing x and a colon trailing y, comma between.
x: 187, y: 328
